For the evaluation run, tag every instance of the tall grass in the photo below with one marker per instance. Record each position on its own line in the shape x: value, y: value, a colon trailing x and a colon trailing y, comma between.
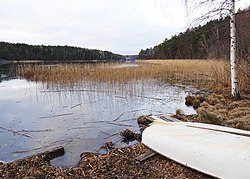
x: 205, y: 74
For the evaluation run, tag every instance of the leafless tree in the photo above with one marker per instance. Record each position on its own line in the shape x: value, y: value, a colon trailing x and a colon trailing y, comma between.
x: 220, y: 8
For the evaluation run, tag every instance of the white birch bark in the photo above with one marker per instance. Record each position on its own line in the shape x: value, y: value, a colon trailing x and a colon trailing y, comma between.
x: 234, y: 75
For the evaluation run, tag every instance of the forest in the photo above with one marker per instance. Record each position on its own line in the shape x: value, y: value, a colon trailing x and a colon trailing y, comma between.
x: 20, y: 51
x: 210, y: 41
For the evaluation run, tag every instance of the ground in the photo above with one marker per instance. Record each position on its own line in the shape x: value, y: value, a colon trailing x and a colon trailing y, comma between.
x: 220, y: 110
x: 121, y: 163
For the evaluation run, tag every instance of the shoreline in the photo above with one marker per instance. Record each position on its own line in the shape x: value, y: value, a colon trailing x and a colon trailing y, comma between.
x: 120, y: 162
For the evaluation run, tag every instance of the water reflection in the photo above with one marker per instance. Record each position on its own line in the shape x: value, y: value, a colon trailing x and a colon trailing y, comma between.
x: 35, y: 117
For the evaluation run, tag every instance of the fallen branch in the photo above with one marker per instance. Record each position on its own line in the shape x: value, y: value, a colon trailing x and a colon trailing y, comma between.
x: 147, y: 97
x: 119, y: 124
x: 76, y: 105
x: 119, y: 116
x: 118, y: 133
x: 48, y: 155
x: 104, y: 132
x: 58, y: 115
x: 63, y: 141
x: 136, y: 110
x: 123, y: 97
x: 93, y: 122
x: 16, y: 132
x: 45, y: 130
x: 82, y: 127
x: 126, y: 120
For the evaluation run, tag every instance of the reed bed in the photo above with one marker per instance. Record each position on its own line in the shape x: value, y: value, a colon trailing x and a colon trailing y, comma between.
x: 204, y: 74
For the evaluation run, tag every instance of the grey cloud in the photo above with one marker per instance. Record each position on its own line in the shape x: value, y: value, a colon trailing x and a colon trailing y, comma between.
x: 121, y: 26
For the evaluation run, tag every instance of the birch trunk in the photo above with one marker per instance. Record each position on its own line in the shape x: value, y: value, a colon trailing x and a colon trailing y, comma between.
x: 234, y: 76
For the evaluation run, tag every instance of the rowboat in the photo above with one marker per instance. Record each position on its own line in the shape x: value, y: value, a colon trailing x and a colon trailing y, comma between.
x: 218, y: 151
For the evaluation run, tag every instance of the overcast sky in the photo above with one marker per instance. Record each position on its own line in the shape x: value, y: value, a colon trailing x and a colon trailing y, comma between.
x: 120, y: 26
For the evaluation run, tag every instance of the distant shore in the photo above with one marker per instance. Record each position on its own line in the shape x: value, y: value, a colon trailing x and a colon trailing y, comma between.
x: 2, y: 62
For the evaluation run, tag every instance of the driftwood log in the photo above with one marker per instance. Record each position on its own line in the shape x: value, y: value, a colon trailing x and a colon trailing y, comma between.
x: 53, y: 153
x: 48, y: 154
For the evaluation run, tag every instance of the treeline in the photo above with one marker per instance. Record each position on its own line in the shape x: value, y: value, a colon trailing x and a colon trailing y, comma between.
x: 18, y: 51
x: 211, y: 40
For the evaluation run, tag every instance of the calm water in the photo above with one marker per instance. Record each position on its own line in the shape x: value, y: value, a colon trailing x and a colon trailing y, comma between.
x: 35, y: 117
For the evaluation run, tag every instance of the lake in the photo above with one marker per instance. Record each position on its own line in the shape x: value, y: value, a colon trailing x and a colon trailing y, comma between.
x: 36, y: 116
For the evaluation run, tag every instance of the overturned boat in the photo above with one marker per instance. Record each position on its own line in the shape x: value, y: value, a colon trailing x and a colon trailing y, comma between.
x: 218, y: 151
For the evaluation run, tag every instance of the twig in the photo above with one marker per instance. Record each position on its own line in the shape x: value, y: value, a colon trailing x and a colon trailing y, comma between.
x: 104, y: 132
x: 136, y: 110
x: 66, y: 141
x: 119, y: 124
x: 119, y: 116
x: 29, y: 150
x: 118, y: 141
x: 58, y: 115
x: 76, y: 105
x: 16, y: 132
x: 126, y: 120
x: 112, y: 135
x: 12, y: 144
x: 45, y: 130
x: 149, y: 97
x: 93, y: 122
x: 81, y: 127
x: 123, y: 97
x: 48, y: 155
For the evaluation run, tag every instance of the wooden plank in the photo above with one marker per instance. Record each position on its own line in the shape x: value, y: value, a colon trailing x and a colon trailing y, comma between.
x: 145, y: 156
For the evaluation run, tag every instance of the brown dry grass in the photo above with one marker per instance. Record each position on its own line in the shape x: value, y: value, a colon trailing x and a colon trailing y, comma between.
x: 221, y: 110
x: 119, y: 163
x: 204, y: 74
x: 227, y: 112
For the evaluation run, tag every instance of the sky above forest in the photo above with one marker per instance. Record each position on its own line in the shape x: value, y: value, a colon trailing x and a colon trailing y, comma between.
x: 120, y: 26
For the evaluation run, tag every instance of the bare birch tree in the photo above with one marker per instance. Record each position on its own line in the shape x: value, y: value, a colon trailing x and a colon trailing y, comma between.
x: 221, y: 8
x: 234, y: 76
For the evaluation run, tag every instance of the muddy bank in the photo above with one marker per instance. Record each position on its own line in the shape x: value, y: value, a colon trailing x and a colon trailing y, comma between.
x: 119, y: 163
x: 220, y: 110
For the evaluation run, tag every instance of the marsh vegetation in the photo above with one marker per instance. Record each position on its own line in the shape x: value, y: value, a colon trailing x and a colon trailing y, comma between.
x: 85, y: 106
x: 80, y: 107
x: 204, y: 74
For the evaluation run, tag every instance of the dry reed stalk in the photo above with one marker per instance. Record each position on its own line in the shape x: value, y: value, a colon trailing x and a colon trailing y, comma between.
x: 205, y: 74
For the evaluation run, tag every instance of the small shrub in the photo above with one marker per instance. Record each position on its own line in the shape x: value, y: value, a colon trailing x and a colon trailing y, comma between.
x: 189, y: 100
x: 208, y: 117
x: 196, y: 103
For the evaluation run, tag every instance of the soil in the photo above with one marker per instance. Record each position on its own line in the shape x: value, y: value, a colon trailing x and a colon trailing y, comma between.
x: 121, y: 163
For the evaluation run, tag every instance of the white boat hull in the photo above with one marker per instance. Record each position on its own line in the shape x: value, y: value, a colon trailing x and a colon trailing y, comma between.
x: 215, y: 150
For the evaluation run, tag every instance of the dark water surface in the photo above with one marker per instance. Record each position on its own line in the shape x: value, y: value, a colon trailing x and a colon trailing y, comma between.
x: 35, y: 117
